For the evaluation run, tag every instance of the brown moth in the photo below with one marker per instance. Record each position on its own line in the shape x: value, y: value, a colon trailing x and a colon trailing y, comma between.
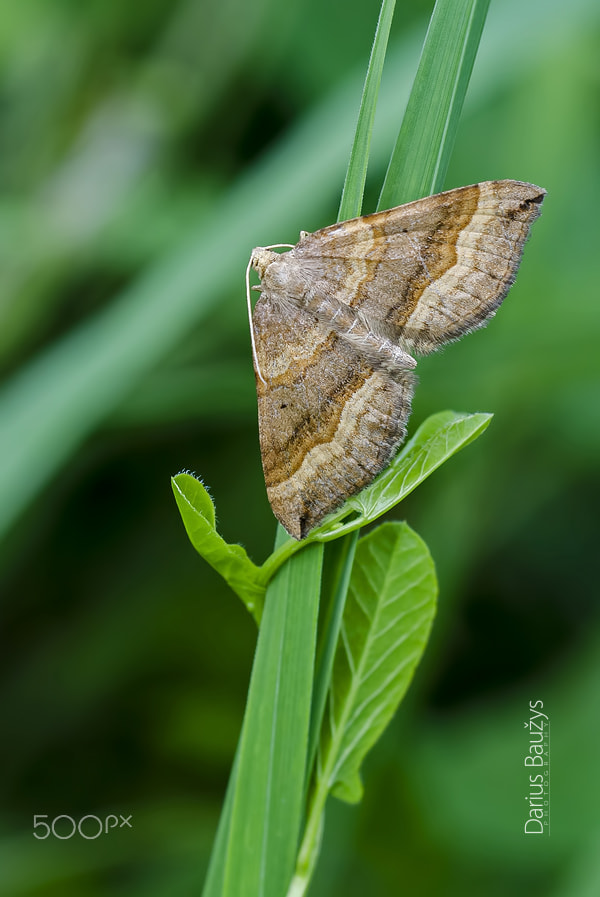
x: 342, y: 313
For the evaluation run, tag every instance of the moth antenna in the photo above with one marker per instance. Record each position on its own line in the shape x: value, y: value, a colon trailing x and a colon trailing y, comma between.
x: 249, y: 304
x: 250, y: 321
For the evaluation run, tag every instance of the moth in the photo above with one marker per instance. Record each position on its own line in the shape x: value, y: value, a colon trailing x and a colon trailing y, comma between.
x: 341, y: 317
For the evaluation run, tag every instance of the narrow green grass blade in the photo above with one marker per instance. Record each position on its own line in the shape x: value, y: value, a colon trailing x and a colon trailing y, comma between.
x: 213, y: 884
x: 336, y: 580
x: 266, y: 808
x: 354, y: 185
x: 422, y: 152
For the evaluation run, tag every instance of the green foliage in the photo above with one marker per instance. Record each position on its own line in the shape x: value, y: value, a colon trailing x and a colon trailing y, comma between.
x: 378, y: 639
x: 436, y: 440
x: 261, y: 825
x: 231, y: 561
x: 139, y: 166
x: 422, y: 153
x: 356, y: 175
x: 390, y: 609
x: 380, y: 635
x: 386, y: 624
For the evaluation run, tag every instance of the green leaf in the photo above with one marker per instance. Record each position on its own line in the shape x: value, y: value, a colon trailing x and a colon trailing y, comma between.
x: 386, y: 623
x: 231, y: 561
x: 426, y: 139
x: 388, y: 616
x: 437, y: 439
x: 258, y: 838
x: 354, y: 184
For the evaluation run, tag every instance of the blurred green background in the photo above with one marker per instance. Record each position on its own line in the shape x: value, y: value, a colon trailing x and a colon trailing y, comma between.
x: 144, y: 151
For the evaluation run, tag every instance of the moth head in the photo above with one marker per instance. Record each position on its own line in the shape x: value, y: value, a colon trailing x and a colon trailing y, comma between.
x: 261, y: 259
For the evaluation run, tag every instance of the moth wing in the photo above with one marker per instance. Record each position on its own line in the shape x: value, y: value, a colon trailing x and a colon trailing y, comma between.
x: 328, y: 422
x: 431, y: 270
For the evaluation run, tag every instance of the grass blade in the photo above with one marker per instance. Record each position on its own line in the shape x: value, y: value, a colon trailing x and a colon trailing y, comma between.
x: 422, y: 152
x: 354, y: 185
x: 263, y: 818
x: 213, y: 884
x: 336, y: 579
